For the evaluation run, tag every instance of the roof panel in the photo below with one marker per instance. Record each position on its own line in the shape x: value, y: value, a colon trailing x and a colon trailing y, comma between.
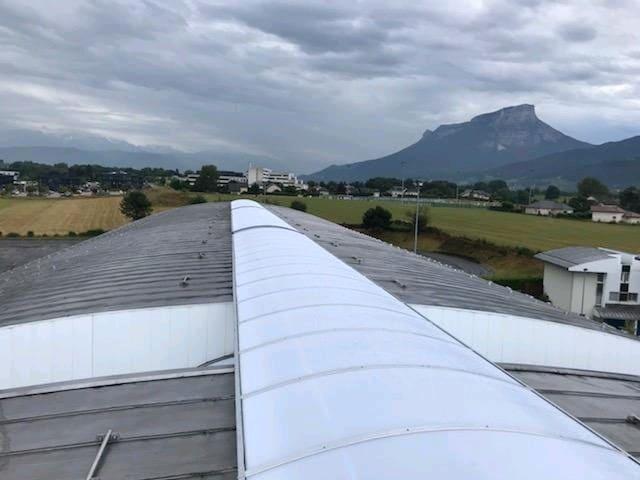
x: 313, y: 391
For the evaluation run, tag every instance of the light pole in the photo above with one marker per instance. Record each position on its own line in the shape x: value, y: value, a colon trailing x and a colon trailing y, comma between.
x: 415, y: 235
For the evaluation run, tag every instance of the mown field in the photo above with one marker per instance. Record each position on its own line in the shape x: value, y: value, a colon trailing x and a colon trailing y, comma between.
x: 51, y: 216
x: 513, y: 229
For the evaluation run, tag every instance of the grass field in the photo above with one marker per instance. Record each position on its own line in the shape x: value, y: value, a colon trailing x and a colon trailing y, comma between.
x: 513, y: 229
x: 51, y: 216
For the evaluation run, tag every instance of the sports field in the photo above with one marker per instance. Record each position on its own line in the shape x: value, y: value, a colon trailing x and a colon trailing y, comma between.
x: 51, y: 216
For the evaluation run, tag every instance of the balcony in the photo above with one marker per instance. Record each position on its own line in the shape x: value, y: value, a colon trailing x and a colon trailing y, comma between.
x: 623, y: 297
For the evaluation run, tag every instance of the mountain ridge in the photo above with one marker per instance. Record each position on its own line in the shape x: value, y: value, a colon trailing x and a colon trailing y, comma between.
x: 488, y: 140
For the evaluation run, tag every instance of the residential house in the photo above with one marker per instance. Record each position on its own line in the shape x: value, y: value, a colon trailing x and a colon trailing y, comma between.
x: 476, y: 195
x: 598, y: 283
x: 547, y: 208
x: 613, y: 214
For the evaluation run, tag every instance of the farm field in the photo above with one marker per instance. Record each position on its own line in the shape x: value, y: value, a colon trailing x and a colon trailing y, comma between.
x: 512, y: 229
x: 51, y: 216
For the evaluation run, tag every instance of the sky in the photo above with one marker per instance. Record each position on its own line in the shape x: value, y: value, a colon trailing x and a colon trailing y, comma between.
x: 314, y: 83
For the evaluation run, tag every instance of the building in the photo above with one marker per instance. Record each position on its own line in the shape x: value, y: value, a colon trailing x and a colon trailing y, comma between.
x: 224, y: 341
x: 547, y: 208
x: 613, y: 214
x: 8, y: 177
x: 476, y: 195
x: 263, y: 176
x: 595, y: 282
x: 225, y: 177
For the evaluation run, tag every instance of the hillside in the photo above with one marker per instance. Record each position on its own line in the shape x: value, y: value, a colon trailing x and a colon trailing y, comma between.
x: 135, y: 159
x: 487, y: 141
x: 615, y: 163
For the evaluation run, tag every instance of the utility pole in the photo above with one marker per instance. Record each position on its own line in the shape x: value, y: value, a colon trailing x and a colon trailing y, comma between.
x: 415, y: 235
x: 402, y: 188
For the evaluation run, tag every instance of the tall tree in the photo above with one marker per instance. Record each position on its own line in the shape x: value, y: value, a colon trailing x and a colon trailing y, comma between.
x: 135, y: 205
x: 552, y: 192
x: 208, y: 179
x: 630, y: 199
x: 592, y: 187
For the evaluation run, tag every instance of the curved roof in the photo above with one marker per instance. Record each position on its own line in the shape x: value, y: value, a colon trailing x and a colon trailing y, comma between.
x: 420, y: 280
x: 141, y: 264
x: 339, y: 378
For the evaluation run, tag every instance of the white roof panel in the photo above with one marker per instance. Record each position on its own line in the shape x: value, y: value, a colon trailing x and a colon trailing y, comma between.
x: 339, y: 379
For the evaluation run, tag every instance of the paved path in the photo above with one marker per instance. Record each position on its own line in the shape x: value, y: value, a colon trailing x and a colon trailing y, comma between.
x: 460, y: 263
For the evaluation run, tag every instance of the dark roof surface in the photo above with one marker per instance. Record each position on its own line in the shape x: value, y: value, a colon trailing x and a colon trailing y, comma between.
x: 138, y: 265
x: 604, y: 402
x: 571, y: 256
x: 167, y: 429
x: 419, y: 280
x: 618, y: 312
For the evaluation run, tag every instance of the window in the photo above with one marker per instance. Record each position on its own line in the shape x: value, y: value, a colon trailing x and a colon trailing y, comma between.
x: 599, y: 289
x: 624, y: 276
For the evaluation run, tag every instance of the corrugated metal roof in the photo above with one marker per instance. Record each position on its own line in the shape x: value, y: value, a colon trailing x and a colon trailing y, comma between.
x: 549, y: 205
x: 339, y: 379
x: 419, y: 280
x: 617, y: 312
x: 602, y: 401
x: 138, y: 265
x: 571, y: 256
x: 168, y: 428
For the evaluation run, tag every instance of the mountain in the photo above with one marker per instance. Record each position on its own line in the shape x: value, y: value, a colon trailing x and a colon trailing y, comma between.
x: 490, y: 140
x: 615, y: 163
x: 137, y: 159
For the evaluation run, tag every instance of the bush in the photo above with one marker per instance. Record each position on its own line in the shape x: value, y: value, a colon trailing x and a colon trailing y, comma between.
x: 135, y: 205
x: 377, y: 218
x: 13, y: 234
x: 423, y: 218
x: 71, y: 233
x: 299, y: 205
x: 197, y: 199
x: 30, y: 233
x: 94, y: 232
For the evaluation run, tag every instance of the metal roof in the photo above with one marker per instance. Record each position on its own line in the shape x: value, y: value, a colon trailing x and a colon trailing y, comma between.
x: 168, y: 426
x: 139, y: 265
x: 607, y: 403
x: 338, y: 378
x: 617, y: 312
x: 571, y: 256
x: 419, y: 280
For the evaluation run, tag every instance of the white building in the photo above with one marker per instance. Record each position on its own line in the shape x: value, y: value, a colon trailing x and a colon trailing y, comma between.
x: 263, y: 176
x: 613, y: 214
x: 594, y: 282
x: 476, y: 195
x: 547, y: 208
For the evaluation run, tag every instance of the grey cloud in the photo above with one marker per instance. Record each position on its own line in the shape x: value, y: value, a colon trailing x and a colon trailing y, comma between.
x: 310, y: 83
x: 577, y: 32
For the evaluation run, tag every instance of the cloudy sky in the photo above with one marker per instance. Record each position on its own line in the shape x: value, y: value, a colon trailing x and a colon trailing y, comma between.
x: 314, y: 82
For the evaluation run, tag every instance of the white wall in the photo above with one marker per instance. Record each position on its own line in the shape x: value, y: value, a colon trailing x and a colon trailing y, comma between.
x: 583, y: 296
x: 606, y: 217
x: 112, y: 343
x: 510, y: 339
x: 557, y: 284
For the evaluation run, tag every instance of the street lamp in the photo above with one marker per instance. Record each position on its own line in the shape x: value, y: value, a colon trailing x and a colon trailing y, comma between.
x: 415, y: 236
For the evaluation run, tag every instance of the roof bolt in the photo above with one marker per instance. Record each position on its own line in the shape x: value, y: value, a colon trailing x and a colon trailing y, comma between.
x: 204, y: 241
x: 185, y: 281
x: 201, y: 255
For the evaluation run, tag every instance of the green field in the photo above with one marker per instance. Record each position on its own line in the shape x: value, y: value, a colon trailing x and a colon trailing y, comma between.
x: 52, y: 216
x: 514, y: 229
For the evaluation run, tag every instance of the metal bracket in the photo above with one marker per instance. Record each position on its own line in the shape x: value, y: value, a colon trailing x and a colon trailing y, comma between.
x: 104, y: 439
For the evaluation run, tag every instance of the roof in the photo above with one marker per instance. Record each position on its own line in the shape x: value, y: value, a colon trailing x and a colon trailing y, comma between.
x: 629, y: 214
x: 417, y: 279
x: 317, y: 341
x: 607, y: 209
x: 138, y: 265
x: 617, y: 312
x: 168, y: 426
x: 605, y: 402
x: 571, y: 256
x: 549, y: 205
